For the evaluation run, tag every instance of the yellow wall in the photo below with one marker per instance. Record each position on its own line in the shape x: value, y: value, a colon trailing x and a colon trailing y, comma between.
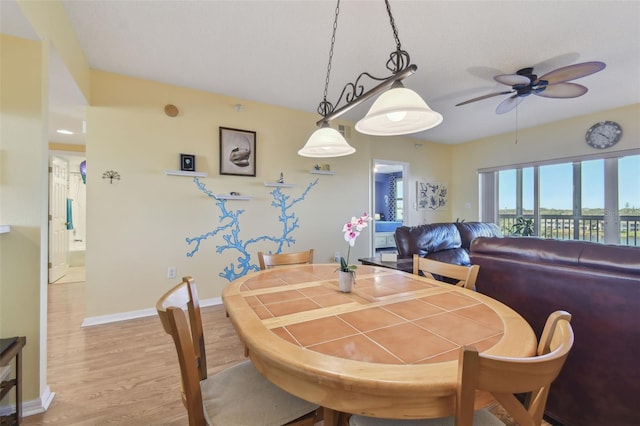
x: 137, y: 226
x: 23, y: 181
x: 562, y: 139
x: 50, y: 22
x: 23, y: 162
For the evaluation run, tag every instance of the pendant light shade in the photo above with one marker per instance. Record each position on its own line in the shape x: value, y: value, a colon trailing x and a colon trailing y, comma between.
x: 398, y: 111
x: 326, y: 142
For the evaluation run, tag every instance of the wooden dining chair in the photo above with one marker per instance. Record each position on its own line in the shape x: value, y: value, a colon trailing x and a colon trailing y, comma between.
x: 238, y: 395
x: 268, y: 260
x: 466, y: 275
x: 502, y: 377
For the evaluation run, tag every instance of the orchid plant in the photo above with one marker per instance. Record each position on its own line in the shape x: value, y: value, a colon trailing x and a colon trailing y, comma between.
x: 351, y: 231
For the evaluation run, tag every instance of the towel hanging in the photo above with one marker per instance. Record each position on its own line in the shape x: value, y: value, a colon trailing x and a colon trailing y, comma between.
x: 69, y: 214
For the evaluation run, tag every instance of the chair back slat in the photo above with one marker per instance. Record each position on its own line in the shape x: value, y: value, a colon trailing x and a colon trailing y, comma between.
x: 504, y: 376
x: 466, y: 275
x: 268, y: 260
x: 188, y: 337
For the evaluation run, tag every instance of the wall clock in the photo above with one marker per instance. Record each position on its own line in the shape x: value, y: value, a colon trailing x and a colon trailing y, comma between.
x: 603, y: 135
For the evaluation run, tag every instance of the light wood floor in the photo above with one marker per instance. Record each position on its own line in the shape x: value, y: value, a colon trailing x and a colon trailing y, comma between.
x: 121, y: 373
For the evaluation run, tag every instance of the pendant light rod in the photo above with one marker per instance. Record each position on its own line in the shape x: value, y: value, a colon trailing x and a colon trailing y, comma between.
x: 387, y: 83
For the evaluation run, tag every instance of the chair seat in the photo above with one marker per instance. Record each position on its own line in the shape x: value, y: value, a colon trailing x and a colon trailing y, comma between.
x: 241, y: 396
x: 480, y: 418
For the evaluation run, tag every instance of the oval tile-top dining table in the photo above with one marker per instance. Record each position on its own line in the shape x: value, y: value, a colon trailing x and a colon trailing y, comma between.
x: 389, y: 348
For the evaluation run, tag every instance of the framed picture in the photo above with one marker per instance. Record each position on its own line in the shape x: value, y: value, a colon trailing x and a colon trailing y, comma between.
x: 237, y: 152
x: 431, y: 195
x: 187, y: 162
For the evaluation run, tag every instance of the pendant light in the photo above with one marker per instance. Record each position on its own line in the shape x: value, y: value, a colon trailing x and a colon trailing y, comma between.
x: 327, y: 142
x: 398, y: 110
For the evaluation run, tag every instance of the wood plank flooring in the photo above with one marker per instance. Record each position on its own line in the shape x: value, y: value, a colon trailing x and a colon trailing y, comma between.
x: 121, y: 373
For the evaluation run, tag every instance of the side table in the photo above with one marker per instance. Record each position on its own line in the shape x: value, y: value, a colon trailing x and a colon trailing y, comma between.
x: 11, y: 348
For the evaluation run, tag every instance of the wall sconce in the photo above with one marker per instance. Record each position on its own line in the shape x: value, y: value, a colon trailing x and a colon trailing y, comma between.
x: 111, y: 175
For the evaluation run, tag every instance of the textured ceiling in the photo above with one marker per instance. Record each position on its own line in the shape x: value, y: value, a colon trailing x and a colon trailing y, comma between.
x: 276, y: 52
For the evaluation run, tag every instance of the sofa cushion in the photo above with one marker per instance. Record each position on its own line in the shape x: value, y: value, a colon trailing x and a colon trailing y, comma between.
x: 425, y: 239
x: 470, y: 230
x: 457, y: 256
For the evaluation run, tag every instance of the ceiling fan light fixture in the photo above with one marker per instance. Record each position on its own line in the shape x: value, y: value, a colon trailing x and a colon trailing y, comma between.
x: 326, y: 142
x: 398, y: 111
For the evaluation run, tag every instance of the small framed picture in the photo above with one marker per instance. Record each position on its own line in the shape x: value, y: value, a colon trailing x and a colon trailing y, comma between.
x: 187, y: 162
x: 237, y: 152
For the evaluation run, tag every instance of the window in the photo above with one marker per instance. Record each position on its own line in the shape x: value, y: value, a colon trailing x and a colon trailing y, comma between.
x: 592, y: 199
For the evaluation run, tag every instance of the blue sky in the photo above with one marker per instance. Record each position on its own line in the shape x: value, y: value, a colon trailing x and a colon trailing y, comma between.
x: 556, y: 185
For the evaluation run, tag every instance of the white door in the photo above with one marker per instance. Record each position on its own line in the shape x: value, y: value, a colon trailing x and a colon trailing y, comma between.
x: 58, y: 234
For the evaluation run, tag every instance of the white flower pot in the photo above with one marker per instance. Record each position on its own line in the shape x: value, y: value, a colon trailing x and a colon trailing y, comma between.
x: 346, y: 280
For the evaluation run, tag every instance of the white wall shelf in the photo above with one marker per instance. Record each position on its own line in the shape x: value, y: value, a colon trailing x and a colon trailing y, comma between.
x: 4, y: 229
x: 232, y: 197
x: 321, y: 172
x: 281, y: 185
x: 185, y: 173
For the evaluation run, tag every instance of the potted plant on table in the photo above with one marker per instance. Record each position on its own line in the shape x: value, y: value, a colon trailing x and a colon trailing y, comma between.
x: 346, y: 272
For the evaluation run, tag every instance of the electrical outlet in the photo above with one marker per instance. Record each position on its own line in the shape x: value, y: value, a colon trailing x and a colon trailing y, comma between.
x: 336, y: 256
x: 171, y: 272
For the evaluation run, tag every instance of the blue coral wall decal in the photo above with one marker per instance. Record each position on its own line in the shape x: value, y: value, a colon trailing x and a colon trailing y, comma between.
x: 229, y: 229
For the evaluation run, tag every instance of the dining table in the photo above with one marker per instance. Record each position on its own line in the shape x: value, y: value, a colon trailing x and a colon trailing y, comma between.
x: 389, y: 348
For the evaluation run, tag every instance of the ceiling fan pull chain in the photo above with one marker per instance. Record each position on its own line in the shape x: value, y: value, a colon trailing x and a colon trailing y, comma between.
x: 516, y: 124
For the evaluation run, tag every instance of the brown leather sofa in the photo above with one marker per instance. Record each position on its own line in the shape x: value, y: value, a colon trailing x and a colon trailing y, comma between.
x: 600, y: 286
x: 445, y: 242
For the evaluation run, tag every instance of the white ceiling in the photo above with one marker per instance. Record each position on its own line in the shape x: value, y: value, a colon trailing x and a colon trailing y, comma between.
x: 276, y: 52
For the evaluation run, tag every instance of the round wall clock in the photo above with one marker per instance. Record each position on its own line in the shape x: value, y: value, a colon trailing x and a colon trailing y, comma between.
x: 603, y: 135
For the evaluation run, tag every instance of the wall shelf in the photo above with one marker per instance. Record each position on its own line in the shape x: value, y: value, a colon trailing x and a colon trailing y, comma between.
x: 321, y: 172
x: 4, y: 229
x: 185, y: 173
x: 281, y: 185
x: 232, y: 197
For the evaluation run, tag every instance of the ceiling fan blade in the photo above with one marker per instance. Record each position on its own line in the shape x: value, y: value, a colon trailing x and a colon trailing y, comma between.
x: 563, y: 90
x: 508, y: 104
x: 490, y: 95
x: 512, y: 79
x: 571, y: 72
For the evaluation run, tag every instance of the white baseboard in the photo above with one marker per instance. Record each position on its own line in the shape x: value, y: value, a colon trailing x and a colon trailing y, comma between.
x: 123, y: 316
x: 31, y: 407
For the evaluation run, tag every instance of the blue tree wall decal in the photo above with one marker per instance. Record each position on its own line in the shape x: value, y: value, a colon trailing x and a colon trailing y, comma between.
x: 229, y: 229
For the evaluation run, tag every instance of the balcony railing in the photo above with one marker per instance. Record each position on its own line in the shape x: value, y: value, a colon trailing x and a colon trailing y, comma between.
x: 586, y: 228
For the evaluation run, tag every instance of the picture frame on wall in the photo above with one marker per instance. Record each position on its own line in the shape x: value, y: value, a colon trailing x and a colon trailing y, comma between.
x: 187, y: 162
x: 237, y: 152
x: 431, y: 195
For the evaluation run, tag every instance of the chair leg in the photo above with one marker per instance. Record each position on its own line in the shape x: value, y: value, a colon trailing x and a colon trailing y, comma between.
x: 308, y: 419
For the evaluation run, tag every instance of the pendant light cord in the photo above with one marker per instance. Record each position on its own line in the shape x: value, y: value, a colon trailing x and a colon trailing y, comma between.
x: 326, y: 107
x: 393, y: 26
x: 399, y: 59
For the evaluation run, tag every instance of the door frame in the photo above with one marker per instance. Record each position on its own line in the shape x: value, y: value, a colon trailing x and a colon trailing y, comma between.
x: 402, y: 166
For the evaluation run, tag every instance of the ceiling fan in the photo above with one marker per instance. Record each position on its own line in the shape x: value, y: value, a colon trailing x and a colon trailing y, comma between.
x: 551, y: 85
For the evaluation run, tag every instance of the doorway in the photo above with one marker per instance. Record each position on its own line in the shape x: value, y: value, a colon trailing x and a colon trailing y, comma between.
x: 390, y: 203
x: 67, y: 255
